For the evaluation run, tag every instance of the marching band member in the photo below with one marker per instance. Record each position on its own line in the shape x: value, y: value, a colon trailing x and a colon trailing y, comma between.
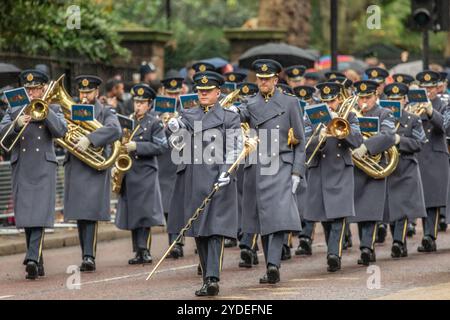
x: 404, y: 193
x: 329, y: 196
x: 34, y: 165
x: 370, y: 193
x: 294, y: 75
x: 140, y: 206
x: 306, y: 235
x: 248, y: 241
x: 269, y: 202
x: 195, y: 179
x: 173, y: 85
x: 433, y: 158
x: 87, y: 190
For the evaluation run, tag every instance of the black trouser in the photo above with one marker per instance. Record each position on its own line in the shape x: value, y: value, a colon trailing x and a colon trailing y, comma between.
x: 334, y: 235
x: 431, y: 222
x: 307, y: 229
x: 398, y: 230
x: 35, y: 242
x: 367, y: 234
x: 273, y: 246
x: 141, y: 238
x: 87, y: 233
x: 248, y: 241
x: 210, y: 253
x: 173, y: 236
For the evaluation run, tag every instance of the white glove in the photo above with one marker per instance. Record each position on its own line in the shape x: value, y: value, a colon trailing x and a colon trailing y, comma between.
x: 333, y: 114
x: 131, y: 146
x: 173, y: 125
x: 82, y: 144
x: 397, y: 138
x: 113, y: 171
x: 429, y: 109
x: 323, y: 133
x: 295, y: 182
x: 360, y: 151
x: 234, y: 109
x: 22, y: 120
x: 224, y: 179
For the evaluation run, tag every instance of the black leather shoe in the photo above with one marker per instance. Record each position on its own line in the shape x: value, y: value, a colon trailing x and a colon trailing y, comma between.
x: 137, y: 259
x: 230, y: 243
x: 398, y: 250
x: 334, y: 263
x: 442, y: 224
x: 410, y: 230
x: 209, y: 288
x: 263, y: 279
x: 41, y: 271
x: 199, y: 270
x: 32, y: 270
x: 273, y: 274
x: 304, y: 247
x: 255, y: 258
x: 381, y: 234
x: 146, y: 257
x: 176, y: 252
x: 246, y: 258
x: 428, y: 245
x: 88, y: 264
x: 367, y: 256
x: 286, y: 253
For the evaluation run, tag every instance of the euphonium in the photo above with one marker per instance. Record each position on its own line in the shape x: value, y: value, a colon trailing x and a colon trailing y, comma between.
x: 37, y: 109
x: 123, y: 162
x: 93, y: 157
x: 372, y: 165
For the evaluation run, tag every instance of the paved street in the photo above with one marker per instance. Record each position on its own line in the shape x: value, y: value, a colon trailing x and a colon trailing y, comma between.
x: 420, y: 276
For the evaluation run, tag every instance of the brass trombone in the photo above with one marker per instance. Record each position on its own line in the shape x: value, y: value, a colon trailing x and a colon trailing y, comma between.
x: 338, y: 127
x: 37, y: 110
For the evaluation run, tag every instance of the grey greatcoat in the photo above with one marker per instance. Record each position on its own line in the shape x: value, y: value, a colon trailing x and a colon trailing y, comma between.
x: 330, y: 191
x: 404, y: 186
x: 34, y: 164
x: 197, y: 174
x: 87, y: 190
x: 140, y: 203
x: 433, y: 158
x: 167, y: 173
x: 268, y: 203
x: 370, y: 193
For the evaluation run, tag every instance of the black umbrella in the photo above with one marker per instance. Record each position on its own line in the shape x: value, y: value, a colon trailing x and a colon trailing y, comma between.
x: 285, y: 54
x: 8, y: 74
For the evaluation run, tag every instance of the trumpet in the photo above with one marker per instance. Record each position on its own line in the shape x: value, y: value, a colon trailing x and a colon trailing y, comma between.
x: 417, y: 108
x: 37, y: 110
x: 338, y: 127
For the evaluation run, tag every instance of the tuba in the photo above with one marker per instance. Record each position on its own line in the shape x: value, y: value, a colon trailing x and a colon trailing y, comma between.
x: 372, y: 165
x: 93, y: 157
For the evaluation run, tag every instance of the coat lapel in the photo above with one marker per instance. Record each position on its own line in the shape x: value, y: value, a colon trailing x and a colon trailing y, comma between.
x: 213, y: 118
x: 263, y: 111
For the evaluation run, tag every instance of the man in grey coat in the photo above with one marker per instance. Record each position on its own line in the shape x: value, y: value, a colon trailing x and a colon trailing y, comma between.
x: 34, y: 165
x: 404, y: 192
x: 213, y: 141
x: 272, y: 175
x: 87, y: 190
x: 140, y: 206
x: 330, y: 194
x: 167, y: 170
x: 370, y: 193
x: 433, y: 158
